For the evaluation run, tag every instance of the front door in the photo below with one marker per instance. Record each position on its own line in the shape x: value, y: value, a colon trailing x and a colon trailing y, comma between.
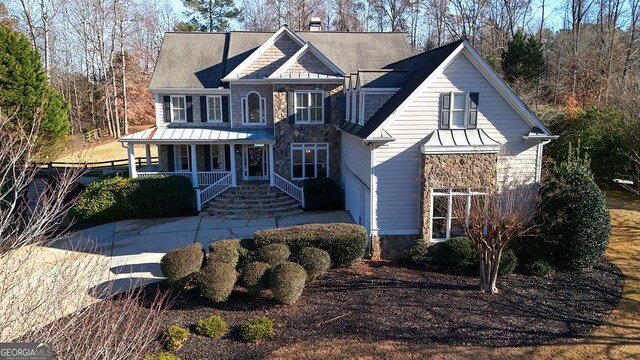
x: 255, y: 163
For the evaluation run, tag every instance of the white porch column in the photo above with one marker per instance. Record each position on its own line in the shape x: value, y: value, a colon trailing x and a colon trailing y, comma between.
x: 147, y: 149
x: 272, y: 177
x: 133, y: 173
x: 232, y: 157
x: 194, y: 166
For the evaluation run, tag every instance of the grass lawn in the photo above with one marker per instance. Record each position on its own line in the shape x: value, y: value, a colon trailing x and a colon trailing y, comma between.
x: 618, y: 338
x: 111, y: 150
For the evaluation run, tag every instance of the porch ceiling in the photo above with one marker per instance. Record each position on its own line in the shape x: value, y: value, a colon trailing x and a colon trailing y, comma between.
x: 186, y: 135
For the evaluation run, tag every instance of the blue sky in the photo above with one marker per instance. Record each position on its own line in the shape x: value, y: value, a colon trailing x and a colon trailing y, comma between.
x: 553, y: 12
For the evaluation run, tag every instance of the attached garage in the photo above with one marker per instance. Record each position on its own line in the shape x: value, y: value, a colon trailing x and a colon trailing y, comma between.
x: 358, y: 198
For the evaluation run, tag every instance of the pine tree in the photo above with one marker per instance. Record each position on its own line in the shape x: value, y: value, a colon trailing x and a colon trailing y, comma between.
x: 523, y: 59
x: 25, y: 92
x: 209, y: 15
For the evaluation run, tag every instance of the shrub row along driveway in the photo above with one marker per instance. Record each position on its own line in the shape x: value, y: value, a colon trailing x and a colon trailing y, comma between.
x: 94, y: 263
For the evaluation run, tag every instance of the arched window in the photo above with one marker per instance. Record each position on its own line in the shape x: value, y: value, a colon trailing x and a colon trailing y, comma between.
x: 253, y: 109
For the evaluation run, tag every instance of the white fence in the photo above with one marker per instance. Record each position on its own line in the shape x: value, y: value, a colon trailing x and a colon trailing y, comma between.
x: 204, y: 177
x: 289, y: 188
x: 207, y: 194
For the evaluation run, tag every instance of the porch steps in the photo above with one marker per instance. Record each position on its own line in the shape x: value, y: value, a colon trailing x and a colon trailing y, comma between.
x: 252, y: 200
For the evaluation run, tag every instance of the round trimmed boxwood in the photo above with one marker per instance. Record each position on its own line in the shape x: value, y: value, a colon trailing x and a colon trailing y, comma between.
x: 216, y: 281
x: 508, y: 262
x: 274, y: 254
x: 577, y: 224
x: 316, y: 262
x: 179, y: 265
x: 418, y: 252
x: 458, y: 253
x: 234, y: 251
x: 213, y: 326
x: 255, y: 277
x: 287, y: 282
x: 539, y: 268
x: 256, y: 330
x: 173, y: 338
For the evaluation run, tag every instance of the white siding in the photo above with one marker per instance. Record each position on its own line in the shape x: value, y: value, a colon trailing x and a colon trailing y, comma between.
x: 397, y: 164
x: 356, y: 158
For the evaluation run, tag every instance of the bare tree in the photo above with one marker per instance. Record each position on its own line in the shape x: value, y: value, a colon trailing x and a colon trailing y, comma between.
x: 491, y: 221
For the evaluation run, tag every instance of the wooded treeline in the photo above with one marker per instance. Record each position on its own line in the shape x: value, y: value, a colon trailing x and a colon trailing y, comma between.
x: 100, y: 53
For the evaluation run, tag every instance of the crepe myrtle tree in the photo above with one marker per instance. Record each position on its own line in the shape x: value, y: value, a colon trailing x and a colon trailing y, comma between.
x: 491, y: 221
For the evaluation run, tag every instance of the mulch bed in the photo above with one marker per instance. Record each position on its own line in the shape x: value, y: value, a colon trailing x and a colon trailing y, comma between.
x: 375, y: 302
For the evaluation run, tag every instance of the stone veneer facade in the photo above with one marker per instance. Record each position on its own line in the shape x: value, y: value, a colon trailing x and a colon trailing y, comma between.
x: 287, y: 133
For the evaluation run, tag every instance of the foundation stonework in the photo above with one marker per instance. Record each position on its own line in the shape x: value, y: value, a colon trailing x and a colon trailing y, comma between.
x: 391, y: 247
x: 453, y: 171
x: 286, y: 132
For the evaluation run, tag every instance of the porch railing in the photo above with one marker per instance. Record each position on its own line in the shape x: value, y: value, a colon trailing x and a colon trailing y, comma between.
x: 204, y: 177
x: 207, y: 194
x: 289, y: 188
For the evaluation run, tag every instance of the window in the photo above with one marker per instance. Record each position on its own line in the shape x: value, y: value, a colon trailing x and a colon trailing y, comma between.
x: 214, y: 109
x: 254, y: 109
x: 309, y: 107
x: 309, y: 161
x: 182, y: 158
x: 178, y: 108
x: 458, y: 110
x: 444, y: 224
x: 217, y: 157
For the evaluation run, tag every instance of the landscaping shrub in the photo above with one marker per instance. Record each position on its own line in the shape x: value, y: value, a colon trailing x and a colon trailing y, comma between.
x: 256, y: 330
x: 234, y: 251
x: 316, y: 262
x: 458, y: 253
x: 179, y: 265
x: 418, y: 252
x: 508, y: 262
x: 213, y: 327
x: 173, y: 338
x: 216, y: 281
x: 255, y: 277
x: 162, y: 356
x: 576, y: 220
x: 117, y: 198
x: 322, y: 194
x: 274, y: 254
x: 345, y: 243
x: 539, y: 268
x: 287, y: 282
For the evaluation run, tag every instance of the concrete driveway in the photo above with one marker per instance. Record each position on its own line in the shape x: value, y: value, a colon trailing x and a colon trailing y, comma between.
x: 134, y: 247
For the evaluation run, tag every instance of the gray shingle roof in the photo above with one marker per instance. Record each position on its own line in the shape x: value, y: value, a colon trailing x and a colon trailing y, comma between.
x: 200, y: 60
x: 383, y: 78
x: 422, y: 66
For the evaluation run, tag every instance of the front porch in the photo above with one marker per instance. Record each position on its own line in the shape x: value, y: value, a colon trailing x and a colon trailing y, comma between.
x: 212, y: 164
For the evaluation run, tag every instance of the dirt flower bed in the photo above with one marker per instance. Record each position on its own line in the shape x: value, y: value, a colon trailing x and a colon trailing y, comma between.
x: 373, y: 302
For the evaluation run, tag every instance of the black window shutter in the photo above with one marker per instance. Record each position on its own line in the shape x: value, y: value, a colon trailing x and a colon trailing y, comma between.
x: 290, y: 107
x: 189, y: 109
x: 228, y: 152
x: 225, y: 108
x: 445, y: 113
x: 171, y: 158
x: 203, y: 109
x: 327, y: 109
x: 473, y: 109
x: 166, y: 108
x: 207, y: 157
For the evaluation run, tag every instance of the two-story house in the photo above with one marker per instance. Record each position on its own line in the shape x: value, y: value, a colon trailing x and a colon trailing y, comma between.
x: 405, y: 136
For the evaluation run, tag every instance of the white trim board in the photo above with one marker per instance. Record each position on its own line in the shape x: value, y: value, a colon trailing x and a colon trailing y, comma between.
x: 233, y: 75
x: 486, y: 71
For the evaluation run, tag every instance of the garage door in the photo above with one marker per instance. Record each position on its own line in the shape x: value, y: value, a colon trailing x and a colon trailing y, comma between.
x: 357, y: 201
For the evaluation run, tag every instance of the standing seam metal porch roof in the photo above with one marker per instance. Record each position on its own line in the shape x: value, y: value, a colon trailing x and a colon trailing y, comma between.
x: 194, y: 135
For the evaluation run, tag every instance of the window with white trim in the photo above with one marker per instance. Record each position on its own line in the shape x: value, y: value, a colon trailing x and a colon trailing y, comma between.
x: 309, y: 161
x: 459, y: 110
x: 214, y: 108
x: 178, y: 108
x: 444, y: 224
x: 182, y: 158
x: 217, y: 157
x: 254, y: 109
x: 309, y: 107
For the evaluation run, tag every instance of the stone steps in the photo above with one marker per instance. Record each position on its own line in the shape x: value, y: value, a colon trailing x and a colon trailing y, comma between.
x: 252, y: 200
